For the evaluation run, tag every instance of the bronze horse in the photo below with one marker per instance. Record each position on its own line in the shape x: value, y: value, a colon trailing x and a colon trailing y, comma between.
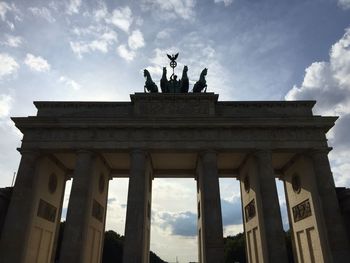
x: 201, y: 84
x: 164, y: 85
x: 150, y: 86
x: 184, y: 83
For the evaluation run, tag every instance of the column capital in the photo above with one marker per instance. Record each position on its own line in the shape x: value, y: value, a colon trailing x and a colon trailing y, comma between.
x: 33, y: 152
x: 316, y: 151
x: 207, y: 153
x: 138, y: 151
x: 261, y: 151
x: 87, y: 151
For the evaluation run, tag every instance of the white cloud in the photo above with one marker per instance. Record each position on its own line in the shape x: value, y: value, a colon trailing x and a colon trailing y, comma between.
x: 136, y: 40
x: 42, y: 12
x: 4, y: 8
x: 16, y: 14
x: 329, y: 84
x: 12, y: 41
x: 125, y: 53
x: 199, y: 54
x: 102, y: 12
x: 37, y: 63
x: 5, y: 105
x: 8, y: 65
x: 102, y: 43
x: 70, y: 82
x: 73, y: 6
x: 164, y: 34
x: 121, y: 18
x: 171, y: 8
x: 226, y: 2
x: 345, y: 4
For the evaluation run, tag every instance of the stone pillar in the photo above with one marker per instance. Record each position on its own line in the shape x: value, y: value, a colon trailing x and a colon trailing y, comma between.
x: 33, y: 215
x: 264, y: 233
x: 84, y: 229
x: 14, y: 239
x: 336, y: 233
x: 138, y: 214
x: 306, y: 221
x: 210, y: 232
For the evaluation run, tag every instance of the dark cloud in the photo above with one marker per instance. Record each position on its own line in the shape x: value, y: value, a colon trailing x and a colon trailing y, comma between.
x: 111, y: 200
x: 231, y: 212
x: 181, y: 224
x: 185, y: 223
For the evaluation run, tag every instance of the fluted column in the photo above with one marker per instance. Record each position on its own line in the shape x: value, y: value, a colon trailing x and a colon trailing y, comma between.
x: 210, y: 232
x: 16, y: 231
x: 272, y: 219
x: 137, y: 225
x: 336, y: 233
x: 265, y: 241
x: 84, y: 228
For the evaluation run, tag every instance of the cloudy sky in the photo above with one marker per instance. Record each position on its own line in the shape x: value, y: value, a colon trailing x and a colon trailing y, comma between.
x: 97, y: 49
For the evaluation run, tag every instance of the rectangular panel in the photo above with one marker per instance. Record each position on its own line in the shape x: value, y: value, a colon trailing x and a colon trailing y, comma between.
x: 304, y: 248
x: 249, y: 243
x: 314, y: 245
x: 47, y: 211
x: 45, y: 246
x: 300, y: 246
x: 249, y: 210
x: 89, y: 244
x: 97, y: 211
x: 95, y: 251
x: 301, y: 211
x: 255, y: 230
x: 310, y: 245
x: 34, y: 245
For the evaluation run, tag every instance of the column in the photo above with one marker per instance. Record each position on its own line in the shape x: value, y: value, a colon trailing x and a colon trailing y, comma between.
x: 336, y: 233
x: 138, y: 214
x: 265, y: 240
x: 84, y: 229
x: 271, y: 209
x: 34, y: 212
x: 210, y: 232
x: 306, y: 220
x: 16, y: 231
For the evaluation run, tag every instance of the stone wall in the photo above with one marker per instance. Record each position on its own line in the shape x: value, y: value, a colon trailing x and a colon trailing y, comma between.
x: 5, y: 197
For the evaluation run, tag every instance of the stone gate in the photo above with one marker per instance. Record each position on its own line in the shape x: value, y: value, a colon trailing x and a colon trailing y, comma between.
x: 174, y: 135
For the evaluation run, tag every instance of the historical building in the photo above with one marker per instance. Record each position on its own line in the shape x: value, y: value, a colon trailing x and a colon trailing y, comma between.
x: 174, y: 135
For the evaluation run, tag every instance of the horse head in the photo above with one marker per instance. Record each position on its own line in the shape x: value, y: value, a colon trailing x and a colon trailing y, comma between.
x: 146, y: 73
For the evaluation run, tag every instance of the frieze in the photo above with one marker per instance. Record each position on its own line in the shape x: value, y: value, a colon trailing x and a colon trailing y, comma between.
x: 173, y: 107
x: 83, y: 109
x: 174, y: 134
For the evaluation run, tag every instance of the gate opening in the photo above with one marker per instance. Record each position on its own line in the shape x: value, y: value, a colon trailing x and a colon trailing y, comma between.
x: 174, y: 219
x: 116, y: 205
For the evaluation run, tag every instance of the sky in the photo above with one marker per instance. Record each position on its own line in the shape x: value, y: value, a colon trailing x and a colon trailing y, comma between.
x: 97, y: 50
